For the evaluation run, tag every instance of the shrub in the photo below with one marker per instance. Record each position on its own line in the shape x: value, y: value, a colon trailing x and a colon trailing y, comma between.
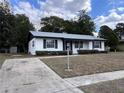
x: 86, y: 51
x: 41, y: 53
x: 103, y: 51
x: 52, y: 53
x: 90, y: 51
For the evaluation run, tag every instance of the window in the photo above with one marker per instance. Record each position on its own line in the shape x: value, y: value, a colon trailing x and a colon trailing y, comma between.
x: 50, y: 43
x: 76, y: 45
x: 79, y: 44
x: 97, y: 44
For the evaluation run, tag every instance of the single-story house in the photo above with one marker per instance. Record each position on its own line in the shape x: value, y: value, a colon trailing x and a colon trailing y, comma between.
x: 50, y: 41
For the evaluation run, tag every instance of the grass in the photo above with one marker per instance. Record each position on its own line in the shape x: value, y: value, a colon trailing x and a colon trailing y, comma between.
x: 87, y: 64
x: 115, y: 86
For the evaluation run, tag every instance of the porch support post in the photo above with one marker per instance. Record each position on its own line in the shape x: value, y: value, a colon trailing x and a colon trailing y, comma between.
x: 64, y: 44
x: 79, y: 44
x: 71, y: 45
x: 90, y: 45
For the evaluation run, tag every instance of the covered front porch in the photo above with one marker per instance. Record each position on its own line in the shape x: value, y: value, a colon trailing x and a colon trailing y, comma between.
x: 75, y: 45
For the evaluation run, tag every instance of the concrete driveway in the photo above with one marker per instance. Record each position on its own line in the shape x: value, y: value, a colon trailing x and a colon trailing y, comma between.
x: 30, y: 75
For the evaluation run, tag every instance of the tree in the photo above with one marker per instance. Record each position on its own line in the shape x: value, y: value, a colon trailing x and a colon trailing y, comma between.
x: 6, y: 25
x: 22, y: 28
x: 14, y: 29
x: 84, y: 24
x: 70, y: 27
x: 107, y: 33
x: 52, y: 24
x: 119, y: 29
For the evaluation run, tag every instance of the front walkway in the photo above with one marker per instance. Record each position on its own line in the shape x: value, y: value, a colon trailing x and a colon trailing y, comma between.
x: 30, y: 75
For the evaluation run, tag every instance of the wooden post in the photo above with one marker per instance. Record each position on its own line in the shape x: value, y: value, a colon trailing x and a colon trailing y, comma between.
x: 68, y: 58
x: 68, y: 61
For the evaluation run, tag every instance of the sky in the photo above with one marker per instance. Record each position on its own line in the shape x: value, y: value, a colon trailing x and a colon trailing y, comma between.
x: 103, y: 12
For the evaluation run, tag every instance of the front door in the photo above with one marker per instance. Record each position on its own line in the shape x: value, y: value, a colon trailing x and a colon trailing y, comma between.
x: 68, y: 45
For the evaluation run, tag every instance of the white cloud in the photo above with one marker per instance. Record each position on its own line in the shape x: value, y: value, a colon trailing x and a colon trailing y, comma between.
x: 121, y: 9
x: 111, y: 20
x: 33, y: 13
x: 116, y: 3
x: 116, y: 15
x: 66, y: 9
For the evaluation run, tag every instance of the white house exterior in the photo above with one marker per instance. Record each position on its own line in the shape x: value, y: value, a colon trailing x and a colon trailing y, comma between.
x: 48, y: 41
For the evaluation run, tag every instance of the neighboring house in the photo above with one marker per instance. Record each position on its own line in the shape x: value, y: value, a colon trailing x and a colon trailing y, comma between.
x: 12, y: 49
x: 121, y: 42
x: 49, y: 41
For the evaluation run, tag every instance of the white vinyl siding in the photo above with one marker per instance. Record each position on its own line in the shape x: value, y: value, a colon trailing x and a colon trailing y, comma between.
x: 37, y: 44
x: 31, y: 48
x: 40, y: 45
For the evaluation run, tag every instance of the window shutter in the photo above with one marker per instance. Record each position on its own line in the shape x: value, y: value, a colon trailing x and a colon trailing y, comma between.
x: 100, y: 44
x: 56, y: 44
x: 44, y: 43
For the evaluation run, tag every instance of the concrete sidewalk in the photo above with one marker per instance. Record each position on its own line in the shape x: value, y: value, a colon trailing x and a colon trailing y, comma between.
x: 95, y: 78
x: 63, y: 56
x: 30, y: 75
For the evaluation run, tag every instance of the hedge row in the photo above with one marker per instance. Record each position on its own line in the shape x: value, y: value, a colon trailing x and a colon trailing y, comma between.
x: 90, y: 51
x: 42, y: 53
x: 52, y: 53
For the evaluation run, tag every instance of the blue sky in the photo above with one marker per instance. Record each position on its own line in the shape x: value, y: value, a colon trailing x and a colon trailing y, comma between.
x: 103, y: 12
